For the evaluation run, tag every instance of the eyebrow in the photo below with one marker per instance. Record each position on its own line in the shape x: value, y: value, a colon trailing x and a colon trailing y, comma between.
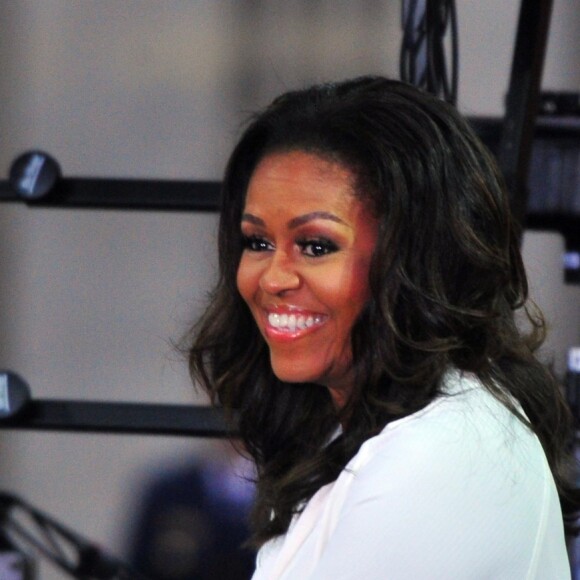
x: 297, y: 221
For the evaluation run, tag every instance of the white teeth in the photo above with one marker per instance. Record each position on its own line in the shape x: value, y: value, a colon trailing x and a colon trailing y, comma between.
x: 291, y: 322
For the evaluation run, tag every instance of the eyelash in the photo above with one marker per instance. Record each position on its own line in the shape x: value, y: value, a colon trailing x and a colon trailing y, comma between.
x: 318, y: 246
x: 255, y: 244
x: 324, y: 246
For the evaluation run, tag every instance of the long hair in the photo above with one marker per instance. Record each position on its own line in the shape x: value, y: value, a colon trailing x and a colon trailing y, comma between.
x: 446, y: 280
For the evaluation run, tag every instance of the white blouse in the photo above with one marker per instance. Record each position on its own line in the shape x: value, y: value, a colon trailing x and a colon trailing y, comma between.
x: 460, y: 490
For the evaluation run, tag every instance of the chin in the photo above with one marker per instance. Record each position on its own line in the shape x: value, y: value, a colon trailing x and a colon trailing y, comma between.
x: 295, y: 377
x: 295, y: 373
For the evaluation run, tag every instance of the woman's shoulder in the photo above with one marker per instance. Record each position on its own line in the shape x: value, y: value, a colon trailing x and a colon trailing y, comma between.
x: 466, y: 462
x: 464, y: 430
x: 463, y: 483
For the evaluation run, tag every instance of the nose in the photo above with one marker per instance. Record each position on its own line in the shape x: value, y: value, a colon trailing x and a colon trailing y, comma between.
x: 280, y: 275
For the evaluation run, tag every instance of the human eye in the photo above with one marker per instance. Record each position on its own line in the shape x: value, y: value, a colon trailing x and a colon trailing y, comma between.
x: 316, y: 247
x: 256, y: 243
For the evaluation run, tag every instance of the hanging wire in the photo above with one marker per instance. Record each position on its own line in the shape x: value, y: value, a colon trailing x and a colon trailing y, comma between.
x: 33, y: 532
x: 427, y: 60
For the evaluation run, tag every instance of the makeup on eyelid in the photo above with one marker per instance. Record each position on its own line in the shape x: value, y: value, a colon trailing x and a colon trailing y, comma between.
x: 319, y: 246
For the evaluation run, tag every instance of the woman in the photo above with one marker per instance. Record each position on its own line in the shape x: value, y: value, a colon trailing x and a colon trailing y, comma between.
x: 363, y: 327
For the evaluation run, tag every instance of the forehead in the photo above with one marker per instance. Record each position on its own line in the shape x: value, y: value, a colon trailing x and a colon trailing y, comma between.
x: 299, y: 179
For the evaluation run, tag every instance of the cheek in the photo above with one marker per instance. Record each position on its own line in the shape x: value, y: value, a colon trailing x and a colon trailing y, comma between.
x: 354, y: 291
x: 360, y: 291
x: 346, y: 293
x: 361, y: 286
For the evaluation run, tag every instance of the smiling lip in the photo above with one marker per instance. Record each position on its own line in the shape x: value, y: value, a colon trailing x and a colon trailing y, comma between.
x: 290, y: 324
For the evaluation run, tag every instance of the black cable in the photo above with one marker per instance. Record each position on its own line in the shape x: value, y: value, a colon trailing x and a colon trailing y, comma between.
x: 425, y: 60
x: 33, y: 531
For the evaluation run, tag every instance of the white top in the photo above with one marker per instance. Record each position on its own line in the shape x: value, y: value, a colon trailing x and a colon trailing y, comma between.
x: 460, y: 490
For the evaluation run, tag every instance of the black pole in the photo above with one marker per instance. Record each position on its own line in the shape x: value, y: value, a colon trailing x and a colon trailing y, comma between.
x: 522, y: 101
x: 128, y: 194
x: 120, y: 418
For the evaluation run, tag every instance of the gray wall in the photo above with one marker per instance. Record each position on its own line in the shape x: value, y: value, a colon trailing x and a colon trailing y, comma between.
x: 91, y: 300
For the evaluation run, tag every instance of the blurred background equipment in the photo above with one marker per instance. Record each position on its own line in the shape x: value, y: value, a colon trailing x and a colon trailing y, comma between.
x: 192, y: 522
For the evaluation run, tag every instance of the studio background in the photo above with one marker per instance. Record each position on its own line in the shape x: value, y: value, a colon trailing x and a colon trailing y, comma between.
x: 90, y: 301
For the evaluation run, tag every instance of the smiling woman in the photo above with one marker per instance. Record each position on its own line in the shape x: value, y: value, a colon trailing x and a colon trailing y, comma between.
x: 363, y: 328
x: 304, y: 271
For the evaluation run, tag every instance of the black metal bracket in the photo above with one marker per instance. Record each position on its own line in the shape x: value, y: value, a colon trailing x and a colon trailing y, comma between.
x: 124, y: 194
x: 120, y: 418
x: 19, y: 411
x: 35, y: 178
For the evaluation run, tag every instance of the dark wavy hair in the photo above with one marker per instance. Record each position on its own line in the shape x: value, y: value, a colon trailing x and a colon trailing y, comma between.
x: 446, y: 279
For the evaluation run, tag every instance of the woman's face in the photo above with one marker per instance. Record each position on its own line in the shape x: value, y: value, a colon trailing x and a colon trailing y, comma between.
x: 304, y: 269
